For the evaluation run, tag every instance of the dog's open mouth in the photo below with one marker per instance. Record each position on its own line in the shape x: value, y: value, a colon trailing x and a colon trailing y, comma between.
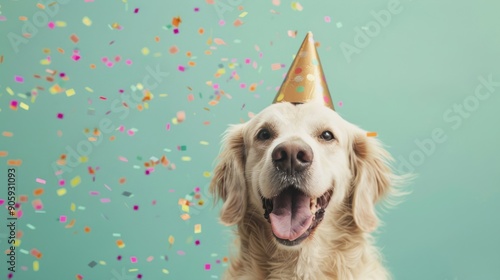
x: 294, y: 215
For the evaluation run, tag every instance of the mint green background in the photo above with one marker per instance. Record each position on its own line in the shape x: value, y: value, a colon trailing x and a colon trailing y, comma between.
x: 427, y: 59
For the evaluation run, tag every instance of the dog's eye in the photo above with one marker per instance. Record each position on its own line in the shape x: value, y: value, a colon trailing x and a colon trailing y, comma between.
x: 264, y: 134
x: 327, y: 136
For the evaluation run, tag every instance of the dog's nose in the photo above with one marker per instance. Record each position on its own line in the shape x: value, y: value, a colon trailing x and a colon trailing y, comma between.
x: 292, y: 156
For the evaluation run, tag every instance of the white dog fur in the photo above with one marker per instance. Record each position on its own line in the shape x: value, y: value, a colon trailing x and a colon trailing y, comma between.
x: 354, y: 166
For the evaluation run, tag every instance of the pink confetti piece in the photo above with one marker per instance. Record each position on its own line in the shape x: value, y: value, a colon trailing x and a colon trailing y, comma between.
x: 37, y: 204
x: 128, y: 62
x: 222, y: 22
x: 219, y: 41
x: 104, y: 59
x: 136, y: 10
x: 168, y: 126
x: 105, y: 200
x: 118, y: 58
x: 130, y: 132
x: 328, y: 19
x: 150, y: 258
x: 19, y: 79
x: 275, y: 66
x: 181, y: 253
x: 121, y: 128
x: 133, y: 259
x: 2, y: 202
x: 62, y: 219
x: 248, y: 60
x: 181, y: 116
x: 276, y: 2
x: 60, y: 115
x: 208, y: 266
x: 103, y: 98
x: 51, y: 25
x: 94, y: 193
x: 41, y: 181
x: 181, y: 68
x: 190, y: 97
x: 124, y: 159
x: 19, y: 213
x: 13, y: 103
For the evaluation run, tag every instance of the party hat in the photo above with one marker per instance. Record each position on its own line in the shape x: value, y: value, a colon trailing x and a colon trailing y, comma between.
x: 305, y: 80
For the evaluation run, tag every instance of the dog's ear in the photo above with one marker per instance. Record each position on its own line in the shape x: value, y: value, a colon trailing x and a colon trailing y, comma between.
x: 372, y: 179
x: 228, y: 182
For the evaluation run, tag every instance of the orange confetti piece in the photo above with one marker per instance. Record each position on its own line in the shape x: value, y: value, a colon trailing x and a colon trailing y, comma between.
x: 71, y: 224
x: 74, y: 38
x: 201, y: 31
x: 7, y: 134
x: 40, y: 6
x: 237, y: 22
x: 157, y: 39
x: 38, y: 192
x: 213, y: 102
x: 23, y: 18
x: 3, y: 153
x: 86, y: 229
x: 14, y: 162
x: 173, y: 50
x: 192, y: 63
x: 120, y: 243
x: 37, y: 254
x: 252, y: 87
x: 176, y: 21
x: 122, y: 180
x: 60, y: 50
x: 371, y: 134
x: 185, y: 216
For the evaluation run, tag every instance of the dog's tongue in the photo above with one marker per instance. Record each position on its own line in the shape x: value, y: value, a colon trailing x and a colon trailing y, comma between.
x: 291, y: 215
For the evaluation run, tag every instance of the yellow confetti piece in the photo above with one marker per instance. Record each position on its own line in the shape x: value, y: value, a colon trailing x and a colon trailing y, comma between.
x: 73, y: 207
x: 60, y: 23
x: 197, y: 228
x: 206, y: 174
x: 45, y: 62
x: 165, y: 271
x: 204, y: 143
x: 171, y: 240
x: 185, y: 208
x: 83, y: 159
x: 145, y: 51
x: 89, y: 89
x: 61, y: 191
x: 87, y: 21
x: 9, y: 90
x: 36, y: 265
x: 296, y: 6
x: 371, y: 134
x: 186, y: 158
x: 76, y: 181
x: 70, y: 92
x: 24, y: 106
x: 243, y: 14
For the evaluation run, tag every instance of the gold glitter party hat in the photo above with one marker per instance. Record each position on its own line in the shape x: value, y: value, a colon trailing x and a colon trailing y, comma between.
x: 305, y: 80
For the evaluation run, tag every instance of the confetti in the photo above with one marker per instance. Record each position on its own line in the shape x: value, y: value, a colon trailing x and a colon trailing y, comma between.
x: 74, y: 38
x: 371, y: 134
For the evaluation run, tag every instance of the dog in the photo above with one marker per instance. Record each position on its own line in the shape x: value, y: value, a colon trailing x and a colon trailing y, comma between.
x: 301, y: 183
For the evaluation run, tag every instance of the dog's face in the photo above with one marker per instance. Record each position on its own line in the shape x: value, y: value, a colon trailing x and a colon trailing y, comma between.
x: 295, y: 164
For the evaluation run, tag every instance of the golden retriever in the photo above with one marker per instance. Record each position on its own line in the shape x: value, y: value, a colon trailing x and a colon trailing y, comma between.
x: 301, y: 183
